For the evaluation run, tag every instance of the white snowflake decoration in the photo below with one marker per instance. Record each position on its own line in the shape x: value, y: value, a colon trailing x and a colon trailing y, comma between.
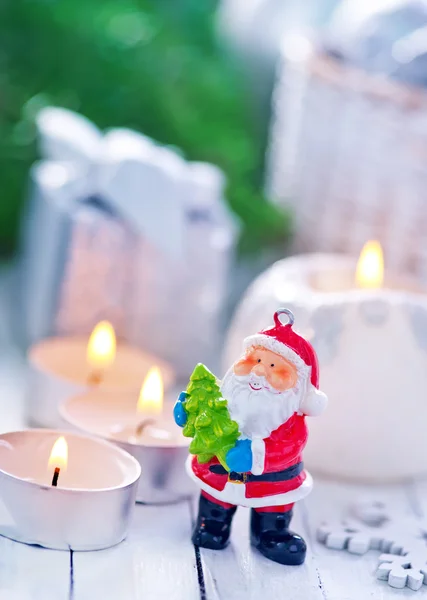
x: 349, y: 536
x: 405, y: 560
x: 400, y: 571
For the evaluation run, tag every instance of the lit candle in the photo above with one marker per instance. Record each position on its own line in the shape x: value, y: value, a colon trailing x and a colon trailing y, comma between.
x: 61, y: 367
x: 370, y: 266
x: 150, y: 403
x: 95, y: 484
x: 148, y: 424
x: 101, y: 351
x: 142, y: 426
x: 58, y: 459
x: 370, y: 334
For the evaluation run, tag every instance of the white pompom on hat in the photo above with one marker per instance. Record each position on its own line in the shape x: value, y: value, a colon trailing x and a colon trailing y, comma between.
x: 283, y: 340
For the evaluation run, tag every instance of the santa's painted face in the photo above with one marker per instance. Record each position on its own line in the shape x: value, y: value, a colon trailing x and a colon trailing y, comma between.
x: 263, y: 391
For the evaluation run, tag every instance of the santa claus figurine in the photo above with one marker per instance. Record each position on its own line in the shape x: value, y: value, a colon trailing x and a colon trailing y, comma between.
x: 269, y: 390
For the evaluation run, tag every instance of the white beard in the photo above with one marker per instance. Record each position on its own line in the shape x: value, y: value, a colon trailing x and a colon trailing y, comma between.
x: 258, y: 412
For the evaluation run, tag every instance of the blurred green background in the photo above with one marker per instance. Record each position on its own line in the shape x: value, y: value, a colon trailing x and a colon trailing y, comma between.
x: 153, y: 66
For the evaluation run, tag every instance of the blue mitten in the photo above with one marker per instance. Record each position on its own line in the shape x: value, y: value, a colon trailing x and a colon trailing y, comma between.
x: 179, y: 413
x: 239, y: 458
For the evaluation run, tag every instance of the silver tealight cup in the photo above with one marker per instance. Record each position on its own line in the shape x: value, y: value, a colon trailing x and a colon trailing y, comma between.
x: 82, y: 500
x: 161, y: 450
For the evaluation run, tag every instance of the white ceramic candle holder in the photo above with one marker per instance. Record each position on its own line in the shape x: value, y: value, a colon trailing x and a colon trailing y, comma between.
x: 58, y: 369
x: 372, y: 349
x: 92, y: 505
x: 161, y: 450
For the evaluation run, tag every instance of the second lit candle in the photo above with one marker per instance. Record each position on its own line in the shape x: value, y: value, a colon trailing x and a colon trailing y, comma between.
x: 145, y: 428
x: 62, y: 367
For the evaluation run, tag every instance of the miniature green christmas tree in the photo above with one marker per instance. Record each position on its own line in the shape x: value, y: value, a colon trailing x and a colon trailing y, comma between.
x: 214, y: 433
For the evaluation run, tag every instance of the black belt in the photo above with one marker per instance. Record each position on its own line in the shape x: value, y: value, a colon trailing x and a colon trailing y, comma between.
x: 284, y: 475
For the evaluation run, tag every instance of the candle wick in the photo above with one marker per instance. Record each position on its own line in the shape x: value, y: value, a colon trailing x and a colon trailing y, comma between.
x: 95, y: 377
x: 140, y: 428
x: 55, y: 476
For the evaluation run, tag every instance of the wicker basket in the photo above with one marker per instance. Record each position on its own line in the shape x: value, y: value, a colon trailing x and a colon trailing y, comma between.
x: 348, y: 152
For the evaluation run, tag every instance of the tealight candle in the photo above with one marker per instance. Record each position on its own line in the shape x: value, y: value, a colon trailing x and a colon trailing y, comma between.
x: 65, y: 491
x: 144, y: 429
x: 370, y: 335
x: 61, y: 367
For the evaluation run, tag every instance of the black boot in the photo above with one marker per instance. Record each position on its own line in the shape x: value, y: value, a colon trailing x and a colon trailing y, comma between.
x: 213, y: 525
x: 271, y: 536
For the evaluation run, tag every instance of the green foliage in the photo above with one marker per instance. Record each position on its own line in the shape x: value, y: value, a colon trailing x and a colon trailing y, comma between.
x: 209, y: 422
x: 150, y: 65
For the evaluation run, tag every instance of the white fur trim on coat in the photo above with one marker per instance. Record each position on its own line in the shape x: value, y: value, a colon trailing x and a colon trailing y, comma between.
x: 270, y: 343
x: 234, y: 493
x: 314, y: 402
x: 258, y: 456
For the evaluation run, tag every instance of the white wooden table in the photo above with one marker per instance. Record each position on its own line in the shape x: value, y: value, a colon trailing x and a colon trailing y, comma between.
x: 158, y: 561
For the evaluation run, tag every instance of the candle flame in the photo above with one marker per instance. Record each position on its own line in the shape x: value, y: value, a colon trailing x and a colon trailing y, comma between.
x: 59, y: 455
x: 150, y: 399
x: 370, y: 267
x: 101, y: 348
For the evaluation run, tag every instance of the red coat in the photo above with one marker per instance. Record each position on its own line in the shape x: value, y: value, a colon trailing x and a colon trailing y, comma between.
x: 283, y: 449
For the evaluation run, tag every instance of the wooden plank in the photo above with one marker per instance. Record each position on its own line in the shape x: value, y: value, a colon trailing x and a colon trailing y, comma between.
x: 33, y: 573
x: 241, y: 573
x: 344, y: 576
x: 156, y: 561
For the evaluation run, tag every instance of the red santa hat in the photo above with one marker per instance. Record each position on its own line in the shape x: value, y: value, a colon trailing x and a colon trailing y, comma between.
x: 283, y: 340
